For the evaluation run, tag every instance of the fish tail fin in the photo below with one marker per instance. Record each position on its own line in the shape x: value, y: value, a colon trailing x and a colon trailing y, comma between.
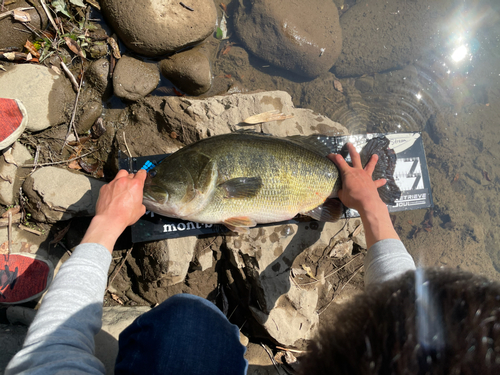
x: 385, y: 167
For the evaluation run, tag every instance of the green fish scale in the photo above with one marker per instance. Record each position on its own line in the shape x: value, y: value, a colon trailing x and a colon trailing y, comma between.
x: 295, y: 180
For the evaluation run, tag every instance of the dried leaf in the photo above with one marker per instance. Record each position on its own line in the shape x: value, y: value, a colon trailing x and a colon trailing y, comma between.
x: 74, y: 165
x: 4, y: 248
x: 309, y: 272
x: 73, y: 46
x: 78, y: 3
x: 89, y: 168
x: 56, y: 69
x: 337, y: 85
x: 357, y: 230
x: 7, y: 178
x: 94, y: 3
x: 9, y: 158
x: 114, y: 46
x: 116, y: 298
x: 60, y: 6
x: 14, y: 210
x: 32, y: 49
x: 21, y: 16
x: 60, y: 235
x: 10, y: 56
x: 266, y: 117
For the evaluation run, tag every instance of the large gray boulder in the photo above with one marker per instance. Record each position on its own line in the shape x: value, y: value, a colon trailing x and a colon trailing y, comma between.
x: 57, y: 194
x: 155, y: 28
x: 47, y: 96
x: 303, y: 37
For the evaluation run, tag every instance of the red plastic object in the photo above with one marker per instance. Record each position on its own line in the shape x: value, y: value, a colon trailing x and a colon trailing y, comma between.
x: 13, y: 118
x: 22, y: 278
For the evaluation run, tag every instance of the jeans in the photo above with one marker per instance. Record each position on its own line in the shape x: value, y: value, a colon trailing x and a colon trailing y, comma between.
x: 185, y: 335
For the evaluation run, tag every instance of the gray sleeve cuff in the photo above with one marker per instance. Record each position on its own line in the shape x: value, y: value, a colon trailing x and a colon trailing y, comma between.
x: 386, y: 260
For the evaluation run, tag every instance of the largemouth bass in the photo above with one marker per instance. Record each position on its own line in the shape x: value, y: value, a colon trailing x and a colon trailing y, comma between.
x: 242, y: 179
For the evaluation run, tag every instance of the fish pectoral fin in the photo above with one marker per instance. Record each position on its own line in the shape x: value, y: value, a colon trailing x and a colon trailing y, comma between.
x: 331, y: 211
x: 239, y: 224
x: 241, y: 187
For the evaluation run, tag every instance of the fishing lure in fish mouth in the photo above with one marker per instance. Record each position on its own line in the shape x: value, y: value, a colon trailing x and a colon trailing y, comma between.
x: 243, y: 179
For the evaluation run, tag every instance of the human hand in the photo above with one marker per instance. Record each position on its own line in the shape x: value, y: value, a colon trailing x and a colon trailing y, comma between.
x: 121, y: 200
x: 358, y: 190
x: 118, y: 206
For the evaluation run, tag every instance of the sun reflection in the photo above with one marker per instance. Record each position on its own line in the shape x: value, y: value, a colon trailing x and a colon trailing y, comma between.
x: 460, y: 53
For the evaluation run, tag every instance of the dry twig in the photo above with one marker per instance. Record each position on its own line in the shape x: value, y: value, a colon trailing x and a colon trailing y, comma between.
x: 119, y: 268
x: 58, y: 162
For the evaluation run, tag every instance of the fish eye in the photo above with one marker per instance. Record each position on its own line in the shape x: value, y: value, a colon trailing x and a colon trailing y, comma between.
x: 152, y: 173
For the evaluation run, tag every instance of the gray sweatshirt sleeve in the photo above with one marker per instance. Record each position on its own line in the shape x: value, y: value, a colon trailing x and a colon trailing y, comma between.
x: 386, y: 260
x: 61, y: 338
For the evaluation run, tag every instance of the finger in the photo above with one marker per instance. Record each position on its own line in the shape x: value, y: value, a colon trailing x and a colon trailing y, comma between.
x: 355, y: 158
x: 339, y: 162
x: 141, y: 175
x: 380, y: 183
x: 121, y: 173
x: 370, y: 166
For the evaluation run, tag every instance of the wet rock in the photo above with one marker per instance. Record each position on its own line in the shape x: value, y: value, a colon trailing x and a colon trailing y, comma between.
x: 160, y: 27
x: 57, y: 194
x: 13, y: 32
x: 11, y: 172
x: 193, y: 119
x: 388, y: 35
x: 165, y: 262
x: 190, y: 71
x: 98, y: 76
x: 265, y: 256
x: 47, y: 96
x: 90, y: 112
x: 302, y: 37
x: 134, y: 79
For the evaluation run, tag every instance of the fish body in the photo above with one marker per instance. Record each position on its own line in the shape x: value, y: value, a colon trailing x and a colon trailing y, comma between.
x: 242, y: 179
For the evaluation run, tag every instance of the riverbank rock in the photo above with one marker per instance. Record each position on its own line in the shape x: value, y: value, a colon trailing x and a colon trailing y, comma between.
x: 11, y: 172
x: 266, y: 257
x: 382, y: 35
x: 47, y: 96
x: 188, y: 70
x: 302, y: 37
x: 12, y: 32
x: 97, y: 76
x: 155, y: 28
x: 165, y: 263
x: 191, y: 119
x: 57, y: 194
x: 134, y: 79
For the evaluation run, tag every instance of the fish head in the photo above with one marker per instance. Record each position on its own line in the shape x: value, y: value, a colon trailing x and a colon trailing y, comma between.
x: 166, y: 190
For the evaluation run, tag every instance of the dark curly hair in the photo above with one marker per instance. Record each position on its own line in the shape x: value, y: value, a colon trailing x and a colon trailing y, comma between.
x: 429, y: 321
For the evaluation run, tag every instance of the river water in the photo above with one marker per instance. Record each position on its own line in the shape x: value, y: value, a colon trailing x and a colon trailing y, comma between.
x: 451, y: 94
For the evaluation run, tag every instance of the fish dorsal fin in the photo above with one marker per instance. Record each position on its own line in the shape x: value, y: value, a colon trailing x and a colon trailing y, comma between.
x: 320, y: 144
x: 331, y: 211
x: 241, y: 187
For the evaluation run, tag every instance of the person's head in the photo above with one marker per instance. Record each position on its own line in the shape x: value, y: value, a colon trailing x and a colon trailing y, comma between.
x: 431, y: 321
